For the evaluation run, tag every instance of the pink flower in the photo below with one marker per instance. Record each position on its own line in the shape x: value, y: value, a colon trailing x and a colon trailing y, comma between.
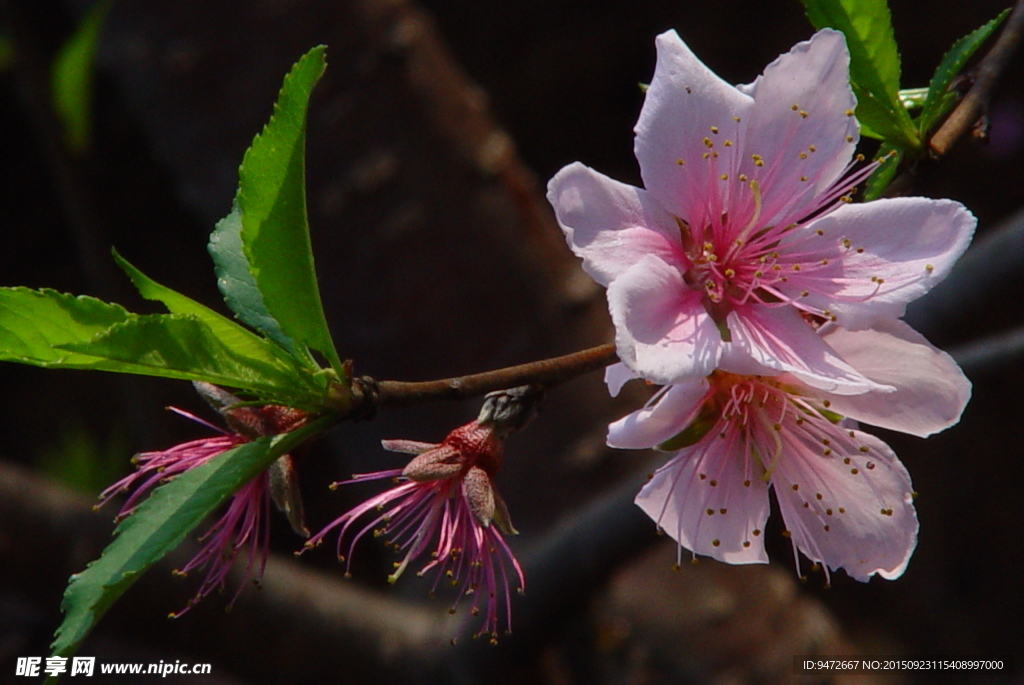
x: 743, y: 231
x: 244, y: 526
x: 442, y: 508
x: 846, y: 500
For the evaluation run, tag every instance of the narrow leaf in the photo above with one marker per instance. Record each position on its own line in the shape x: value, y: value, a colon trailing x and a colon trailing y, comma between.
x: 182, y: 346
x: 158, y: 526
x: 270, y: 219
x: 238, y: 286
x: 50, y: 329
x: 874, y: 60
x: 888, y: 158
x: 939, y: 99
x: 34, y: 324
x: 73, y: 77
x: 239, y: 339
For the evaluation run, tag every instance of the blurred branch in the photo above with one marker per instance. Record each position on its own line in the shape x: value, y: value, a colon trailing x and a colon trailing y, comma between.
x: 32, y: 77
x: 989, y: 353
x: 565, y: 570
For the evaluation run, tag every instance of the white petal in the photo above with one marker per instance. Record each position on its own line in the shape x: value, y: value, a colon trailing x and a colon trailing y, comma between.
x: 801, y: 127
x: 616, y: 376
x: 881, y: 255
x: 856, y: 514
x: 931, y: 390
x: 662, y: 331
x: 780, y: 339
x: 686, y: 104
x: 664, y: 417
x: 715, y: 476
x: 610, y: 225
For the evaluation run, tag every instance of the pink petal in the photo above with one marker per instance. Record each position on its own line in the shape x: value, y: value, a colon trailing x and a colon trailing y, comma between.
x: 685, y: 105
x: 931, y: 390
x: 665, y: 416
x: 610, y: 225
x: 712, y: 499
x: 616, y: 376
x: 779, y: 338
x: 662, y: 331
x: 882, y: 255
x: 801, y: 126
x: 857, y: 515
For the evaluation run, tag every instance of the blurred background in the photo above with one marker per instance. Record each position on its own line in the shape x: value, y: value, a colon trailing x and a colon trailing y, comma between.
x: 430, y: 140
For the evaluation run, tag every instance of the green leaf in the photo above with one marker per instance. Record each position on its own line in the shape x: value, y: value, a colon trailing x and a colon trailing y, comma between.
x: 874, y: 63
x: 50, y: 329
x: 239, y: 288
x: 158, y: 526
x: 889, y: 161
x: 240, y: 340
x: 707, y: 418
x: 35, y: 323
x: 182, y: 346
x: 939, y: 99
x: 72, y: 77
x: 269, y: 219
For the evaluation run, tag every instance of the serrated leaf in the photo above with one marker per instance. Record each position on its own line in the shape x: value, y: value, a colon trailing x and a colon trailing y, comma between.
x: 874, y: 61
x: 889, y: 161
x: 271, y: 222
x: 72, y: 77
x: 240, y: 340
x: 238, y: 286
x: 35, y: 323
x: 158, y: 526
x: 876, y: 120
x: 939, y: 100
x: 182, y: 346
x: 50, y: 329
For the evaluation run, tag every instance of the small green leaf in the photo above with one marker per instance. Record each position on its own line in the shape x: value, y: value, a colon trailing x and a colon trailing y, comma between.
x: 874, y: 63
x: 240, y: 340
x: 158, y: 526
x: 939, y: 99
x: 889, y: 161
x: 73, y: 77
x: 269, y: 218
x: 876, y: 120
x: 693, y: 433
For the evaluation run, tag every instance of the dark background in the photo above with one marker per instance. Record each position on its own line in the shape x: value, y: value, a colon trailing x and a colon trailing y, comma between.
x: 430, y: 140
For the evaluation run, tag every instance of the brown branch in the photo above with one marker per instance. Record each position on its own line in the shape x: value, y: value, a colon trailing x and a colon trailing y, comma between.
x: 971, y: 108
x: 546, y: 372
x: 974, y: 104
